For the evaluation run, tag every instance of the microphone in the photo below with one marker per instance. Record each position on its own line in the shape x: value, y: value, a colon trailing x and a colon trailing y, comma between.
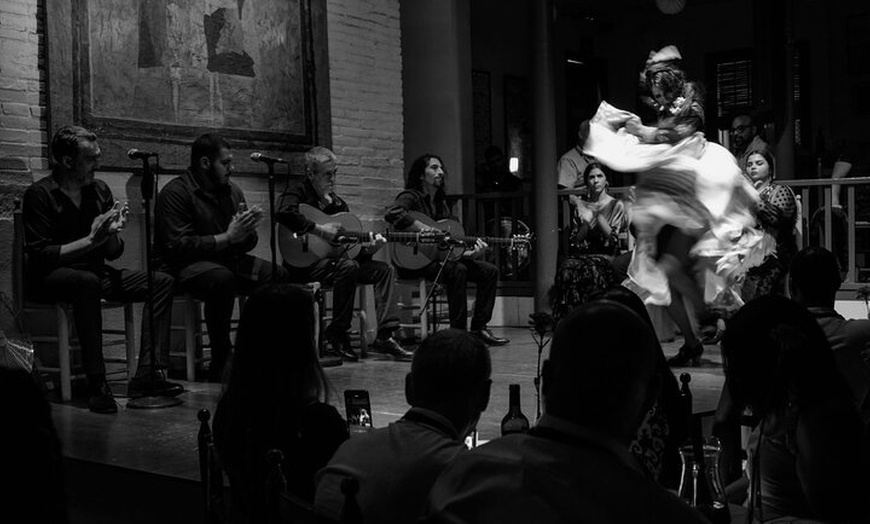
x: 136, y: 154
x: 260, y: 157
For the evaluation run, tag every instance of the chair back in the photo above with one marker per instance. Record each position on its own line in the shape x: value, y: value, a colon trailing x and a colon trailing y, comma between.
x: 210, y: 473
x: 18, y: 258
x: 287, y: 508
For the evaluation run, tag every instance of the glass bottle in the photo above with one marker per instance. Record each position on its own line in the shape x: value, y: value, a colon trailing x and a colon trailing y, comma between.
x: 514, y: 421
x: 700, y: 484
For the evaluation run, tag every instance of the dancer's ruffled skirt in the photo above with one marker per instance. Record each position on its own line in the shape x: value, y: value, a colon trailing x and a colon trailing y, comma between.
x: 694, y: 186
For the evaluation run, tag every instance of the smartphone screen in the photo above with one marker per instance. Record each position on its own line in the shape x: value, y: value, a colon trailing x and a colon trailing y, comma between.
x: 359, y: 408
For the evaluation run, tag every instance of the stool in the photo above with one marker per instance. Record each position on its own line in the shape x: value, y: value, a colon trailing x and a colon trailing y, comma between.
x: 66, y: 343
x: 359, y: 311
x: 431, y: 317
x: 193, y: 333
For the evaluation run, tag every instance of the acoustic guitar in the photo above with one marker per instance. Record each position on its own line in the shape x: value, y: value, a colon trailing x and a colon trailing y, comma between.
x: 418, y: 255
x: 304, y: 250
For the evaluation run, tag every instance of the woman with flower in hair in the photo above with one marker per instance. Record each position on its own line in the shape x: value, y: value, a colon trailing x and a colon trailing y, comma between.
x: 688, y: 190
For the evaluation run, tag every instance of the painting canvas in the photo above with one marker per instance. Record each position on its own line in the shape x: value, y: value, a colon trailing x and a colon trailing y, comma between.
x: 169, y: 69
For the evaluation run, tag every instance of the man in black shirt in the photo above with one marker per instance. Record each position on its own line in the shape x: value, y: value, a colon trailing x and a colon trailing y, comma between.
x: 72, y: 226
x: 424, y: 193
x: 318, y: 191
x: 204, y: 232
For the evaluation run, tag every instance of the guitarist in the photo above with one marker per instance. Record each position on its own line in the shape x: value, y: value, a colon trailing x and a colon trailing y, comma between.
x: 424, y: 193
x: 343, y: 274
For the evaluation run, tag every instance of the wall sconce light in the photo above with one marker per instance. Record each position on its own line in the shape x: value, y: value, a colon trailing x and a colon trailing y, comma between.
x: 514, y: 164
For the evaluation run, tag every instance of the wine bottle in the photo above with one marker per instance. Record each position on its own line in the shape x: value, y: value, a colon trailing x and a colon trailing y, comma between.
x: 514, y: 421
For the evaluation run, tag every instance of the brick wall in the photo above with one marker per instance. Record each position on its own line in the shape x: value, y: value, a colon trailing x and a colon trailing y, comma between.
x: 23, y: 149
x: 22, y: 83
x: 365, y: 58
x: 366, y: 99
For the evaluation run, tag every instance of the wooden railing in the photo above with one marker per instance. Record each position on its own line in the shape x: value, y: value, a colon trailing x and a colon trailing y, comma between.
x: 823, y: 225
x: 845, y: 230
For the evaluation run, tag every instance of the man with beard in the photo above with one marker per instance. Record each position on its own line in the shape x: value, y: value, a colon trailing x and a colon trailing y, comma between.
x: 745, y: 138
x: 424, y: 193
x: 205, y: 231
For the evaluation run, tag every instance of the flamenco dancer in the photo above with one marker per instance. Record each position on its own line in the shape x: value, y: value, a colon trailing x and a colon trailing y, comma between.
x: 690, y: 192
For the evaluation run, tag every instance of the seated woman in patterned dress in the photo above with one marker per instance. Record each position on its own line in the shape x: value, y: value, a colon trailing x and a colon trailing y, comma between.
x: 598, y: 223
x: 775, y: 215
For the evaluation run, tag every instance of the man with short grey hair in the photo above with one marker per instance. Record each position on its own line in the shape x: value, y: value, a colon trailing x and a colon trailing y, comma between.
x: 317, y: 190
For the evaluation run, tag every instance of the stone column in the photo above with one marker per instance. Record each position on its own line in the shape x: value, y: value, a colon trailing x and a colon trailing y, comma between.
x: 436, y: 77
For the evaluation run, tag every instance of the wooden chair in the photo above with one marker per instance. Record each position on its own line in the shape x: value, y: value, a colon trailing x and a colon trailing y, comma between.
x: 286, y: 508
x: 429, y: 318
x: 62, y: 312
x: 192, y: 326
x: 359, y: 311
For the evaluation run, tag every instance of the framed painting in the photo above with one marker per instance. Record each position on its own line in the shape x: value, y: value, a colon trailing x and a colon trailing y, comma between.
x: 161, y: 72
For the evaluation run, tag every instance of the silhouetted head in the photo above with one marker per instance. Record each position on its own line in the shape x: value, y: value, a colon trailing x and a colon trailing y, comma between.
x: 814, y: 277
x: 601, y: 369
x: 776, y: 354
x: 30, y: 450
x: 450, y: 374
x: 275, y: 348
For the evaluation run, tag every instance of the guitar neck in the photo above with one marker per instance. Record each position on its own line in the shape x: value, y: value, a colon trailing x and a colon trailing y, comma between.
x: 391, y: 236
x: 488, y: 240
x: 401, y: 236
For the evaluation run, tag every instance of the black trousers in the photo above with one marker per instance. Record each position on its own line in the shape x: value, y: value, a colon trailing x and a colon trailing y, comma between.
x: 218, y: 287
x: 84, y: 288
x: 344, y: 275
x: 455, y: 278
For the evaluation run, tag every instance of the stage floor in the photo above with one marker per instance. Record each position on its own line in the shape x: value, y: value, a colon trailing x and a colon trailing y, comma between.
x: 163, y: 442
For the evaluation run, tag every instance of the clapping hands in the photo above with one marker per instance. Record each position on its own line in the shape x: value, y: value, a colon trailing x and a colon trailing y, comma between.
x: 109, y: 223
x: 244, y: 224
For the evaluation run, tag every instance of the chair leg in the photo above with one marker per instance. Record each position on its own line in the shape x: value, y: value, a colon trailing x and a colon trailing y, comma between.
x: 318, y: 320
x: 424, y: 311
x: 190, y: 337
x: 63, y: 349
x: 363, y: 322
x: 130, y: 342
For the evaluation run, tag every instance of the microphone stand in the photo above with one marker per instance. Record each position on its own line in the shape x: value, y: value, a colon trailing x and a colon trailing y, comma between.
x: 424, y: 308
x: 272, y: 219
x: 151, y: 399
